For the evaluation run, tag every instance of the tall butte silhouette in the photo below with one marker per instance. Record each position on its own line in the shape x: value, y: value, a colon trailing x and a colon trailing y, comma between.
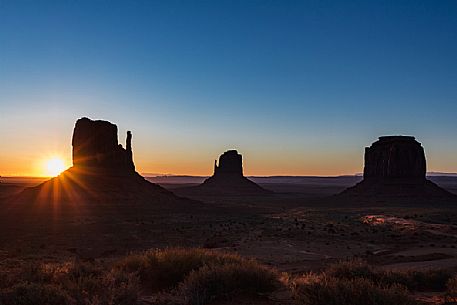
x: 99, y: 204
x: 395, y: 168
x: 228, y: 179
x: 102, y: 170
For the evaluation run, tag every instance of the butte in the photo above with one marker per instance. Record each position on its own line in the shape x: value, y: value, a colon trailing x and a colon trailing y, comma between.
x: 103, y: 172
x: 395, y: 171
x: 227, y: 179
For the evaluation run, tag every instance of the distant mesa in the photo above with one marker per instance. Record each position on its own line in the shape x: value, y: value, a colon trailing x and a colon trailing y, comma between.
x: 230, y: 164
x: 102, y: 169
x: 395, y: 167
x: 228, y: 178
x: 395, y: 158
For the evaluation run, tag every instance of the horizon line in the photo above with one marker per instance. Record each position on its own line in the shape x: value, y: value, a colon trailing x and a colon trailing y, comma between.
x: 154, y: 175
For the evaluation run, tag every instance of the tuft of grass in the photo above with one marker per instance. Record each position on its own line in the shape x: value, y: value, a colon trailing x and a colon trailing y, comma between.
x: 75, y: 282
x: 35, y: 294
x: 352, y: 269
x: 223, y: 281
x: 165, y: 269
x: 428, y: 280
x: 312, y: 289
x: 122, y: 288
x: 451, y: 291
x: 96, y: 283
x: 198, y: 276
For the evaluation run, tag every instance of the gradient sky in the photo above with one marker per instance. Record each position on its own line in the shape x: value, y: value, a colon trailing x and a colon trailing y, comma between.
x: 298, y: 87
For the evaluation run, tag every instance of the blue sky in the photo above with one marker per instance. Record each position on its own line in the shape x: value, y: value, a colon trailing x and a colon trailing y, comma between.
x: 299, y: 87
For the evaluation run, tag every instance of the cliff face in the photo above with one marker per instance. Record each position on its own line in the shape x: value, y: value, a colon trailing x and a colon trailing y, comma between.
x: 230, y: 163
x: 102, y: 171
x: 95, y: 146
x: 395, y: 157
x: 395, y: 172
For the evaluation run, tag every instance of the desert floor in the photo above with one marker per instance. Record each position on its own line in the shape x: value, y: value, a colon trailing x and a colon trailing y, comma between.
x: 300, y: 228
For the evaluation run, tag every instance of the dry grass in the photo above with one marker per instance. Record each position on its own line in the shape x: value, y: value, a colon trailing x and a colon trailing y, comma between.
x: 199, y: 277
x: 429, y: 280
x: 121, y: 282
x: 35, y: 294
x: 451, y: 291
x: 225, y: 281
x: 70, y: 283
x: 322, y: 289
x: 165, y: 269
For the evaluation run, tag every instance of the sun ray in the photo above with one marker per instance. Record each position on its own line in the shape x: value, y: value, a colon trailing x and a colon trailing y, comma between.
x: 54, y: 166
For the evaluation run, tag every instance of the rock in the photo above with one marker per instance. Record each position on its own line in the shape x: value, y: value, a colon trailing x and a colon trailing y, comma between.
x: 98, y: 204
x: 395, y: 157
x: 95, y: 146
x: 230, y: 163
x: 102, y: 171
x: 227, y: 179
x: 395, y: 172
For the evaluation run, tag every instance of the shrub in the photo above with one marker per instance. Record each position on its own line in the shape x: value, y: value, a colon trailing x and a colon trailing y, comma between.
x: 428, y: 280
x: 121, y: 288
x: 352, y: 269
x: 162, y: 269
x: 72, y: 283
x: 95, y: 283
x: 35, y: 294
x: 34, y: 273
x: 322, y: 289
x: 451, y: 292
x: 222, y: 281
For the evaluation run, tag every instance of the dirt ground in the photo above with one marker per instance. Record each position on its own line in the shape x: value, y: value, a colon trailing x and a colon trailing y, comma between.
x: 294, y: 232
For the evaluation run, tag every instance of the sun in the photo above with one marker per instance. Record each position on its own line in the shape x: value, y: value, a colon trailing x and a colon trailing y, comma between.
x: 54, y: 166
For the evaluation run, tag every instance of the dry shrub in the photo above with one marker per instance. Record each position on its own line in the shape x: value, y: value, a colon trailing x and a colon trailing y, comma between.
x: 322, y: 289
x: 214, y: 282
x: 95, y: 283
x: 76, y: 283
x: 35, y: 294
x: 352, y: 269
x: 165, y: 269
x: 428, y: 280
x: 451, y: 291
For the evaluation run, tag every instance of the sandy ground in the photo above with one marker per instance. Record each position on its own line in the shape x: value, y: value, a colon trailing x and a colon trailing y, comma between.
x: 290, y: 232
x: 296, y: 232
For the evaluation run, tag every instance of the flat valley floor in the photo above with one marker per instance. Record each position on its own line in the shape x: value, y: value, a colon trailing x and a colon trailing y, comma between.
x: 301, y: 228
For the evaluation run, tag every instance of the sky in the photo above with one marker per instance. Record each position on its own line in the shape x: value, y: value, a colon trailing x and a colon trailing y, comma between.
x: 297, y: 87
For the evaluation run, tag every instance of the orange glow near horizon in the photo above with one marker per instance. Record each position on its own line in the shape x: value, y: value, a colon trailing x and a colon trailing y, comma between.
x: 174, y: 160
x: 54, y: 166
x: 50, y: 165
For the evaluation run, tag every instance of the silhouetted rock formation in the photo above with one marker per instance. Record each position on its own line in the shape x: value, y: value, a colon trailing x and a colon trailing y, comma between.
x: 102, y: 170
x: 95, y: 146
x: 227, y: 179
x: 395, y: 168
x: 395, y: 157
x: 230, y: 163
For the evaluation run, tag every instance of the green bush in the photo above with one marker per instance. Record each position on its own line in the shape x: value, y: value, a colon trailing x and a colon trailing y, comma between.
x: 222, y: 281
x: 322, y: 289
